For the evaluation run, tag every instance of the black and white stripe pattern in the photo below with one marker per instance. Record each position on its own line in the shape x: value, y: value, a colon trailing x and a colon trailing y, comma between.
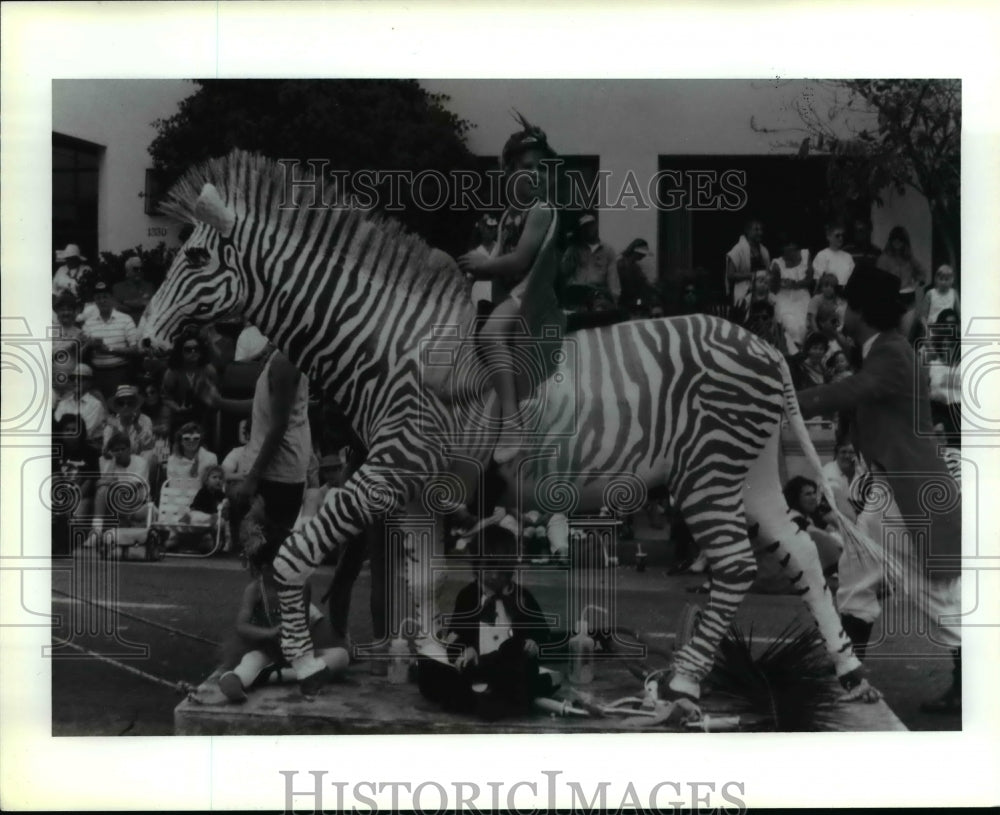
x: 692, y: 403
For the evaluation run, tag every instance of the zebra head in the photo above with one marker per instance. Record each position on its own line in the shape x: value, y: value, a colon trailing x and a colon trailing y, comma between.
x: 206, y: 281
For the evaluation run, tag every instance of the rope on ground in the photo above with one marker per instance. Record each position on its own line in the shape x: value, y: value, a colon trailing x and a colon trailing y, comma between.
x: 145, y: 620
x: 179, y: 687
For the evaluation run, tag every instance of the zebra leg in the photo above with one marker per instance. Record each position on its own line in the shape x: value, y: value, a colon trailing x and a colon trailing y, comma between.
x: 797, y: 555
x: 719, y: 527
x: 370, y: 492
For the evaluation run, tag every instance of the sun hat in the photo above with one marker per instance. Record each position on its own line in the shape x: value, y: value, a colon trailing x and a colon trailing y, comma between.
x: 82, y: 370
x: 133, y: 263
x: 71, y: 251
x: 125, y: 392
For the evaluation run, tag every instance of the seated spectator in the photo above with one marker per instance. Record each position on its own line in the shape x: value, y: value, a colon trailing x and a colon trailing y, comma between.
x: 814, y: 516
x: 839, y: 474
x: 792, y: 300
x: 638, y: 296
x: 121, y: 467
x: 833, y: 259
x: 748, y: 256
x: 234, y: 465
x: 80, y: 399
x: 828, y: 324
x: 590, y: 262
x: 691, y: 300
x: 189, y: 459
x: 809, y: 369
x: 899, y: 260
x: 188, y: 373
x: 126, y: 418
x: 940, y: 298
x: 134, y: 292
x: 152, y: 405
x: 945, y: 378
x: 67, y: 336
x: 860, y: 247
x: 75, y: 462
x: 111, y: 342
x: 204, y: 509
x: 756, y: 311
x: 837, y: 367
x: 73, y: 272
x: 826, y: 293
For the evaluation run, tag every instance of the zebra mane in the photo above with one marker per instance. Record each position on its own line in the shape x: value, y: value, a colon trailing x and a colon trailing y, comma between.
x: 243, y: 178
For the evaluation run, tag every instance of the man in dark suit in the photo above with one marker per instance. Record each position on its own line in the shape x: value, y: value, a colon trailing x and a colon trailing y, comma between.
x: 897, y: 441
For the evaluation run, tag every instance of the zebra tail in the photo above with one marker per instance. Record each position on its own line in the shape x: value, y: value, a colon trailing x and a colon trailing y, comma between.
x: 856, y: 542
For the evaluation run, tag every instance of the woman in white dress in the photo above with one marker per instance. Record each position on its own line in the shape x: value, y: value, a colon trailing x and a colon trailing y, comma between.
x: 792, y: 300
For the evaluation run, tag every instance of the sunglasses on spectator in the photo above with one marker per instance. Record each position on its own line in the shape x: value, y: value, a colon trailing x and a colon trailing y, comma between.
x: 191, y: 437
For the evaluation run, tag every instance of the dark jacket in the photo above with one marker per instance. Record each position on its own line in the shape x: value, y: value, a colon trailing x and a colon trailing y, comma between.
x: 527, y: 619
x: 892, y: 429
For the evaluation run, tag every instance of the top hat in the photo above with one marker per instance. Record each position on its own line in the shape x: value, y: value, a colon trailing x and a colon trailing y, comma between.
x: 870, y: 287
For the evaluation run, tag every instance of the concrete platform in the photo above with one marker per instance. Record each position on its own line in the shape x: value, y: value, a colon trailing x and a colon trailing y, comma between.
x: 365, y: 704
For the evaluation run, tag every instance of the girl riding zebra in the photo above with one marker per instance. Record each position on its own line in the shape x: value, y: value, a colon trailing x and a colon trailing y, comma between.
x: 690, y: 404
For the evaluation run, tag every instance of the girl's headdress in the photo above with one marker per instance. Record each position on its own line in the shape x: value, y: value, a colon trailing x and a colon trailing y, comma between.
x: 529, y: 137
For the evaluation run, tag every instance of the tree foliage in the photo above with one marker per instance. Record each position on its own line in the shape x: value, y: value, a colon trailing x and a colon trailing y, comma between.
x: 888, y: 134
x: 355, y: 124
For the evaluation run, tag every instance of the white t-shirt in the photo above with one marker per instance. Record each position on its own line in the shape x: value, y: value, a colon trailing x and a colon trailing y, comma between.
x: 839, y: 263
x: 937, y: 302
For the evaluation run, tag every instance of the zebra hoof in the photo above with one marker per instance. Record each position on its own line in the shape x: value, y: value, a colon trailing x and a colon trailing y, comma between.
x: 862, y: 692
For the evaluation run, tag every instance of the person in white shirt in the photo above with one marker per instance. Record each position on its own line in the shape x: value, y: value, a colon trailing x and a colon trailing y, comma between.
x: 72, y: 273
x: 78, y: 398
x: 122, y: 467
x: 839, y: 474
x: 834, y: 259
x: 111, y: 340
x: 942, y: 297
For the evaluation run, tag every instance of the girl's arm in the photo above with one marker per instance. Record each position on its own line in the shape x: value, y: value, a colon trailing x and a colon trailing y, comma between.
x: 244, y: 627
x: 517, y: 263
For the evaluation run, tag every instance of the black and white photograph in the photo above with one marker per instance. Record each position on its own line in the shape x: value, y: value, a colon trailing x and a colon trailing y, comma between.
x: 614, y: 410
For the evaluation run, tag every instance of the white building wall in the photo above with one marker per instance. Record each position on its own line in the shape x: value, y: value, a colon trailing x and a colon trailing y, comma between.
x: 118, y: 115
x: 628, y: 123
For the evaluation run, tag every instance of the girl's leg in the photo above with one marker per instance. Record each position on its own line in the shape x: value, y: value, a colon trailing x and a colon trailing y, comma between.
x: 497, y: 331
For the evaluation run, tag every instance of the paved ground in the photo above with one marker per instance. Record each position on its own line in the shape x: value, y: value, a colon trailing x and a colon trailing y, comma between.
x: 200, y: 598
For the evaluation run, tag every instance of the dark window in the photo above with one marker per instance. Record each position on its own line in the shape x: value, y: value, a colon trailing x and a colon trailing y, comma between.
x: 75, y: 174
x: 153, y: 195
x: 790, y: 195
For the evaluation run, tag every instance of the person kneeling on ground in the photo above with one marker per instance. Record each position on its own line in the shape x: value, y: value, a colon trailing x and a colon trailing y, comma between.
x: 498, y: 626
x: 253, y: 651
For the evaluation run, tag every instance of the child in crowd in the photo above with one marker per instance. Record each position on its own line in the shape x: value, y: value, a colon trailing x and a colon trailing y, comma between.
x: 837, y: 367
x: 122, y: 467
x: 254, y: 649
x: 826, y: 293
x: 810, y: 369
x: 756, y: 311
x: 942, y: 297
x: 792, y: 300
x: 204, y: 510
x: 189, y: 459
x: 834, y: 259
x: 234, y: 465
x: 498, y: 626
x: 828, y: 324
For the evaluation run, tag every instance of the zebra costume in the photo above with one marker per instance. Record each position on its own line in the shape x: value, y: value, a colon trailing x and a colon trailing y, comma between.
x: 692, y: 403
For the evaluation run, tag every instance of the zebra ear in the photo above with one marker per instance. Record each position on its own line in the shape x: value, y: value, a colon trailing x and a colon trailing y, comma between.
x: 212, y: 210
